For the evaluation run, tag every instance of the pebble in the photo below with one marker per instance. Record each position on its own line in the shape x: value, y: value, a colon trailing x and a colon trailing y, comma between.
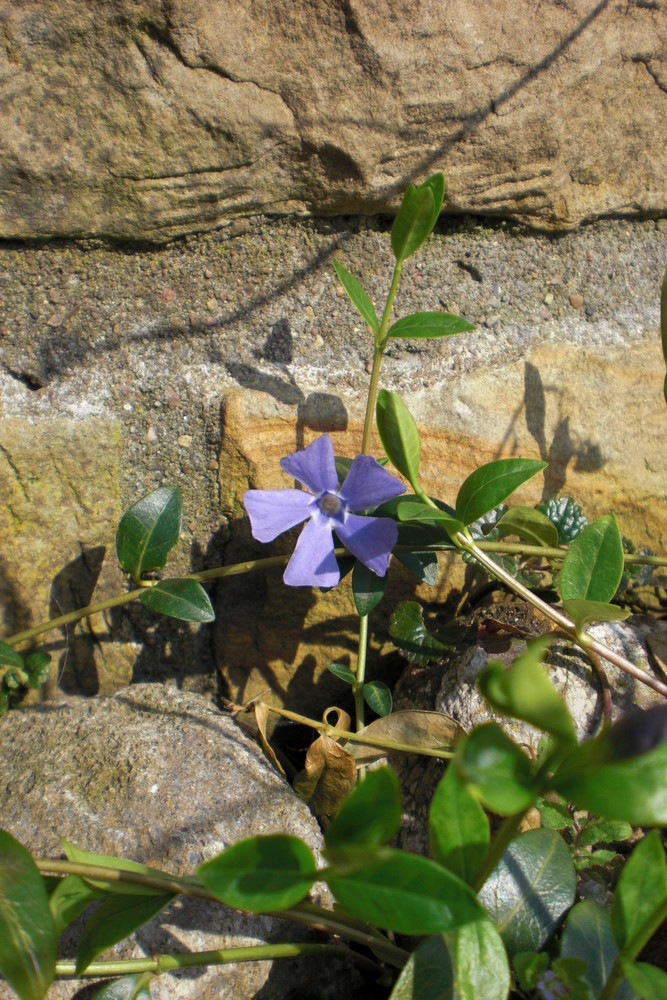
x: 576, y: 300
x: 172, y: 397
x: 151, y: 435
x: 544, y: 313
x: 56, y: 320
x: 548, y: 299
x: 53, y: 295
x: 168, y: 295
x: 212, y: 305
x: 185, y: 440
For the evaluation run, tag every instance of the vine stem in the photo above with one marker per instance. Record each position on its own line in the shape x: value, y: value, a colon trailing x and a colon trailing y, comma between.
x: 585, y: 641
x: 361, y: 673
x: 378, y: 351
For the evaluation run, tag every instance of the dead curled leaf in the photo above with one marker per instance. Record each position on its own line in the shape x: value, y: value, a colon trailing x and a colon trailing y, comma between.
x: 411, y: 727
x: 329, y: 775
x: 261, y: 716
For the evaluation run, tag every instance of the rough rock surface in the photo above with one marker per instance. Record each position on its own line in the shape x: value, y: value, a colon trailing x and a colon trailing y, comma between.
x: 149, y: 119
x: 450, y: 687
x: 204, y: 362
x: 159, y: 776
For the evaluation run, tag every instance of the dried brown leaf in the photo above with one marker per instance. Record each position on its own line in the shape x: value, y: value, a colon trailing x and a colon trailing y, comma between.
x: 329, y: 775
x: 421, y: 730
x: 261, y: 716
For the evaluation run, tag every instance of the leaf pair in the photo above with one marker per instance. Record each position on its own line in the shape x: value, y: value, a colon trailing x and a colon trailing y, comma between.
x: 591, y: 574
x: 147, y: 533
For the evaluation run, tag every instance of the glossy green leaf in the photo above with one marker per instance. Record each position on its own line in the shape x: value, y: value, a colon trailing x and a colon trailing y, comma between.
x: 593, y: 566
x: 649, y: 982
x: 409, y: 511
x: 148, y: 531
x: 496, y: 770
x: 28, y: 939
x: 469, y: 963
x: 261, y: 873
x: 587, y: 935
x: 489, y: 485
x: 583, y: 613
x: 641, y: 889
x: 38, y: 667
x: 179, y: 598
x: 458, y: 828
x: 378, y: 697
x: 417, y: 216
x: 566, y: 515
x: 357, y: 296
x: 399, y: 435
x: 74, y: 853
x: 367, y: 589
x: 343, y: 672
x: 70, y: 898
x: 423, y: 565
x: 127, y: 988
x: 524, y: 691
x: 429, y: 325
x: 370, y: 816
x: 530, y: 890
x: 529, y: 524
x: 409, y: 633
x: 9, y: 657
x: 114, y: 920
x: 404, y: 893
x: 622, y: 773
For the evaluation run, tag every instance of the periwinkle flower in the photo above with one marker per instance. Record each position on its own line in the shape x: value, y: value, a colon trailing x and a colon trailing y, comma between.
x: 327, y: 508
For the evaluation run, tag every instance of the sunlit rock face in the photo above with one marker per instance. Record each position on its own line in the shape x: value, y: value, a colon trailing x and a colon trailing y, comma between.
x: 148, y: 120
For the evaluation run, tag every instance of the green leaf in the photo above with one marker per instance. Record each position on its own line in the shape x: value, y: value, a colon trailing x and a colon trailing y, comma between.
x: 593, y: 566
x: 74, y: 853
x: 588, y: 936
x: 498, y: 772
x: 404, y: 893
x: 357, y: 296
x: 70, y: 898
x: 179, y: 598
x: 128, y: 988
x: 28, y: 938
x: 114, y: 920
x: 38, y: 665
x: 604, y: 831
x: 458, y: 828
x: 649, y: 981
x: 399, y: 435
x: 469, y: 963
x: 378, y: 697
x: 531, y: 889
x: 529, y: 524
x: 554, y: 815
x: 367, y: 589
x: 428, y: 325
x: 261, y: 873
x: 525, y: 692
x: 409, y: 633
x: 370, y: 816
x: 417, y: 216
x: 489, y: 485
x: 343, y: 672
x: 528, y: 967
x: 424, y: 513
x: 622, y: 773
x: 148, y: 531
x: 9, y: 657
x: 423, y: 565
x: 567, y: 516
x: 584, y: 612
x: 641, y: 889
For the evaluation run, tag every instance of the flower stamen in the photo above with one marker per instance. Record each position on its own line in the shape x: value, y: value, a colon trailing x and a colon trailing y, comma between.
x: 329, y: 504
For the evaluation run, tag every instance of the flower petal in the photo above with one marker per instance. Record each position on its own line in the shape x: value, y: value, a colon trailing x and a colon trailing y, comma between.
x: 313, y: 563
x: 273, y: 511
x: 370, y: 539
x: 368, y: 484
x: 315, y: 466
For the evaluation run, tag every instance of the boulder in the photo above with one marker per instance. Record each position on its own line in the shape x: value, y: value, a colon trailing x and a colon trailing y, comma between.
x: 159, y: 776
x: 149, y: 120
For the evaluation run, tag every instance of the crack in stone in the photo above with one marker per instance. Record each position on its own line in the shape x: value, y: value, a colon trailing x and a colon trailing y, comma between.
x: 19, y: 478
x: 646, y: 63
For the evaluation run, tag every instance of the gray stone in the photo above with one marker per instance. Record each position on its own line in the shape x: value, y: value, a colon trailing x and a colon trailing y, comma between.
x: 159, y: 776
x: 149, y: 120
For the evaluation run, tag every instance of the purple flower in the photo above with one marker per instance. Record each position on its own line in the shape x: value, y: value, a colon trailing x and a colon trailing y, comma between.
x: 370, y: 539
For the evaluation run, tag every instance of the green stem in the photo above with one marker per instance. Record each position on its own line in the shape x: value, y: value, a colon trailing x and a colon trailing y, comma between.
x: 563, y: 622
x: 378, y: 351
x: 361, y: 672
x: 252, y: 953
x: 499, y: 845
x: 633, y: 948
x: 371, y: 741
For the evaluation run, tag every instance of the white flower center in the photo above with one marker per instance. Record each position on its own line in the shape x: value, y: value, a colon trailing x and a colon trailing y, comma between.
x: 329, y: 504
